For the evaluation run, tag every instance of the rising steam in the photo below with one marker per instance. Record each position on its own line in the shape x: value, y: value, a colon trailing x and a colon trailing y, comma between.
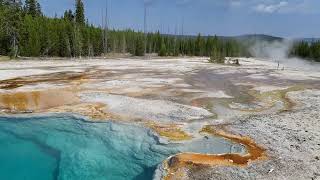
x: 278, y: 51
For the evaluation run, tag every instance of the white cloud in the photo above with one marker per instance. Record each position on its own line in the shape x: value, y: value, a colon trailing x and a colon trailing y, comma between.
x: 271, y: 8
x: 260, y: 6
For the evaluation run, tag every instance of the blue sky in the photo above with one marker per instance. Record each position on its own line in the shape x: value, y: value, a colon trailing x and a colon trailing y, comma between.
x: 286, y: 18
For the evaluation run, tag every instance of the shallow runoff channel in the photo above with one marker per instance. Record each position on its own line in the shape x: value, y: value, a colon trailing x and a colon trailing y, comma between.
x: 70, y: 148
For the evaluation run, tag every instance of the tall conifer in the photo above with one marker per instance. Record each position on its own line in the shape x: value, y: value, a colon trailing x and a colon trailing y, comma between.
x: 80, y: 17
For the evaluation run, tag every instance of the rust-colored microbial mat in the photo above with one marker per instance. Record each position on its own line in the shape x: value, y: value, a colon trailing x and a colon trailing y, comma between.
x: 176, y: 163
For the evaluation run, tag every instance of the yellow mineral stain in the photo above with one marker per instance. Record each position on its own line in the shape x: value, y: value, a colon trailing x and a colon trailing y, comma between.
x: 177, y: 163
x: 171, y: 131
x: 96, y: 112
x: 36, y: 100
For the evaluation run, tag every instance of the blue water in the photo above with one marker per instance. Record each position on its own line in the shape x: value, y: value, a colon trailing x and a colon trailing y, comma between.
x: 69, y: 148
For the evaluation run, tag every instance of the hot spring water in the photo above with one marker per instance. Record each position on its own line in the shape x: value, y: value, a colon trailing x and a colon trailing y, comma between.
x: 68, y: 148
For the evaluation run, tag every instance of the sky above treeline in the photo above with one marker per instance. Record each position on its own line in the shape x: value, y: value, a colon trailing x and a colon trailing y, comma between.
x: 285, y: 18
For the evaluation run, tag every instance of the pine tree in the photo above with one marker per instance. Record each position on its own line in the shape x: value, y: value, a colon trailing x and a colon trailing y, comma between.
x: 38, y: 9
x: 77, y: 40
x: 217, y: 56
x: 79, y: 16
x: 30, y: 43
x: 199, y: 46
x: 68, y: 15
x: 123, y: 44
x: 32, y: 7
x: 139, y: 47
x: 163, y: 49
x: 10, y: 20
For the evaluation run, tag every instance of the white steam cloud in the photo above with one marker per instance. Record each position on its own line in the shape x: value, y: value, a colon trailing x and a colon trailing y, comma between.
x: 271, y: 50
x: 278, y: 51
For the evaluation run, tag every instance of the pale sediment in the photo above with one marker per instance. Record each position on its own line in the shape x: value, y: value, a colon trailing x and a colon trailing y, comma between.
x: 157, y: 110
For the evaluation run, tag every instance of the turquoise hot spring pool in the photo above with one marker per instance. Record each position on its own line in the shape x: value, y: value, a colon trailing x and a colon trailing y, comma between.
x: 66, y: 147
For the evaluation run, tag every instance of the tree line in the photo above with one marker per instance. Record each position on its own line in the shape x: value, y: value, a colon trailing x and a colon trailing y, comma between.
x: 306, y: 50
x: 26, y: 31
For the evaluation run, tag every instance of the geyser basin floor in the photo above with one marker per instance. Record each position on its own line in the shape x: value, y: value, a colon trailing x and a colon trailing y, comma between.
x: 64, y: 147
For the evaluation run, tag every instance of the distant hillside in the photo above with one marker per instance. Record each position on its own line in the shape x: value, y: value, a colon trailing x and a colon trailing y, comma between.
x: 310, y: 40
x: 258, y: 37
x: 263, y: 37
x: 244, y: 38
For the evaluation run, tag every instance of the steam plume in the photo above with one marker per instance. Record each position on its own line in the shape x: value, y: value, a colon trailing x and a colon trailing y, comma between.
x: 278, y: 51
